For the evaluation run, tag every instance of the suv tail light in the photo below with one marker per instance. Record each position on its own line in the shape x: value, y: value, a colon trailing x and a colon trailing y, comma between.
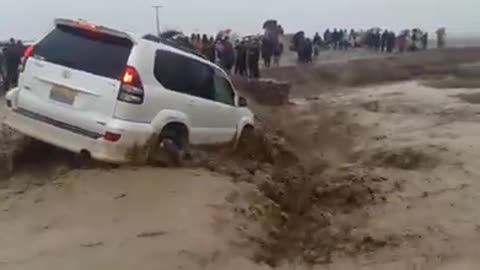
x: 26, y: 54
x: 111, y: 136
x: 131, y: 89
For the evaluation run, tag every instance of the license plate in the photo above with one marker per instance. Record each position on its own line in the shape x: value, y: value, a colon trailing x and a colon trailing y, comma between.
x: 62, y: 94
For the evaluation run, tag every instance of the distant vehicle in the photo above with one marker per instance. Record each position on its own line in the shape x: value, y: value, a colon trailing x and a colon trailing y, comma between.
x: 107, y: 93
x: 251, y: 38
x: 6, y: 42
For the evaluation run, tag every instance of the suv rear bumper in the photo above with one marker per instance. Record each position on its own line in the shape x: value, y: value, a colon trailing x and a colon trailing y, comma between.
x: 132, y: 134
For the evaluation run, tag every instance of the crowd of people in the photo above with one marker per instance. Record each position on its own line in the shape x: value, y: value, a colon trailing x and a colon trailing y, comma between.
x: 10, y: 58
x: 338, y: 39
x: 375, y: 39
x: 381, y: 41
x: 240, y: 57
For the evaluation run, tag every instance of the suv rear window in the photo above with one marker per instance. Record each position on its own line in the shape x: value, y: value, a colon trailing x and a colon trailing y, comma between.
x: 93, y: 52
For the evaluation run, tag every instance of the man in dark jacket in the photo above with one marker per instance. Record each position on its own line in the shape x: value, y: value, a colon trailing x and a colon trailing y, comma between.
x: 241, y: 58
x: 414, y: 38
x: 267, y: 51
x: 19, y: 52
x: 253, y: 57
x: 308, y: 53
x: 384, y: 40
x: 13, y: 56
x: 227, y: 55
x: 340, y: 39
x: 211, y: 52
x: 327, y: 37
x: 377, y: 40
x: 425, y: 41
x: 317, y: 43
x: 391, y: 39
x: 317, y: 39
x: 2, y: 69
x: 335, y: 39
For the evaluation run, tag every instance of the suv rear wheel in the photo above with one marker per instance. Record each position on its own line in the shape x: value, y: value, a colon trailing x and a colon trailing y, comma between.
x: 171, y: 147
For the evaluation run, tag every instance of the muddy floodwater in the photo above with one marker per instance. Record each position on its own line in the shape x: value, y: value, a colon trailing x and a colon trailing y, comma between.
x: 352, y: 173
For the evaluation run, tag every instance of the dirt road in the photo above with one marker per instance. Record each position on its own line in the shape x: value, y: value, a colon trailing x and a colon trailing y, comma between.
x: 372, y: 177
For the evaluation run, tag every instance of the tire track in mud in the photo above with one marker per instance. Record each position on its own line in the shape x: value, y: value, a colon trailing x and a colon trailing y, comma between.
x: 314, y: 194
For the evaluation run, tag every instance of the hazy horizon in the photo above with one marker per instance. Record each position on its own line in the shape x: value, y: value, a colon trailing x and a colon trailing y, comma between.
x: 30, y: 19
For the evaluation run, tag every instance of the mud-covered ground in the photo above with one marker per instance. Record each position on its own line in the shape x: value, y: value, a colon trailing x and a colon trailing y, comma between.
x: 370, y: 177
x: 424, y: 141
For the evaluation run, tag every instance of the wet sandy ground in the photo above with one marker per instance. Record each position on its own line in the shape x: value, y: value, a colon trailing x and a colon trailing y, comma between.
x: 123, y: 219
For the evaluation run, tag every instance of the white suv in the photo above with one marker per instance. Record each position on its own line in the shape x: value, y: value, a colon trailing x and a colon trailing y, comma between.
x: 102, y: 92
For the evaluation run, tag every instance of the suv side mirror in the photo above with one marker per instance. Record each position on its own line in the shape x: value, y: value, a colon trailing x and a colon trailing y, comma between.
x: 242, y: 102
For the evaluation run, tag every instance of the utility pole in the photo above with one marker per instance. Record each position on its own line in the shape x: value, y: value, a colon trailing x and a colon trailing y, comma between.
x: 157, y: 16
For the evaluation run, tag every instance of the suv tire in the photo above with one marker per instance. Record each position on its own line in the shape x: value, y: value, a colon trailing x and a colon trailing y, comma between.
x: 246, y: 141
x: 170, y: 149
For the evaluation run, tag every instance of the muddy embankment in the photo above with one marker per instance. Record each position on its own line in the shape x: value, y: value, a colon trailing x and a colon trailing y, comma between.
x: 431, y: 65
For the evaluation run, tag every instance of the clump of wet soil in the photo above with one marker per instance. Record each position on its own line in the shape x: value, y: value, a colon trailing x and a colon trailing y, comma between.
x: 404, y: 158
x: 311, y: 215
x: 371, y: 106
x: 452, y: 81
x: 11, y: 145
x: 465, y: 76
x: 473, y: 98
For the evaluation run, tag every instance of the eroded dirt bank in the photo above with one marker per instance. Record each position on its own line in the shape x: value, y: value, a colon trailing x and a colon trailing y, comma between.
x: 327, y: 76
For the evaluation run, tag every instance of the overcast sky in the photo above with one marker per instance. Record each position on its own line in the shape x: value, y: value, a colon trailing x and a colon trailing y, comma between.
x: 31, y: 18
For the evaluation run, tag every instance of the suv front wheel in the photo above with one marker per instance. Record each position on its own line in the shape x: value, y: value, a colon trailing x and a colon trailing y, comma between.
x: 246, y: 142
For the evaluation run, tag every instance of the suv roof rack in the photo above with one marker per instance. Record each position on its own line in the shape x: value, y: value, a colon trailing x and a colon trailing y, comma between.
x: 85, y: 24
x: 172, y: 43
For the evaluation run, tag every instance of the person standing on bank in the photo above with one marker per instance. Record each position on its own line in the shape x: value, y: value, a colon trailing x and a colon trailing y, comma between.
x: 253, y: 57
x: 12, y: 59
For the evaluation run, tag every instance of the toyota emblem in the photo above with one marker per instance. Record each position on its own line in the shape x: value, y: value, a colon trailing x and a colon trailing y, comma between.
x: 66, y: 74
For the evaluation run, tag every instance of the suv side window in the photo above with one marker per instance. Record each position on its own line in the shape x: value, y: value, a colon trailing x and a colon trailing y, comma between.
x: 166, y: 71
x: 200, y: 79
x: 223, y: 90
x: 184, y: 75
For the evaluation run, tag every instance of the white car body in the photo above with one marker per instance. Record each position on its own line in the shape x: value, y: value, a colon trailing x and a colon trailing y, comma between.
x: 81, y: 111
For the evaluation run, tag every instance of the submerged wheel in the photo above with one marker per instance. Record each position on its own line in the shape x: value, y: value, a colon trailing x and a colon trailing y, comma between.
x: 171, y: 147
x: 246, y: 137
x: 246, y: 143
